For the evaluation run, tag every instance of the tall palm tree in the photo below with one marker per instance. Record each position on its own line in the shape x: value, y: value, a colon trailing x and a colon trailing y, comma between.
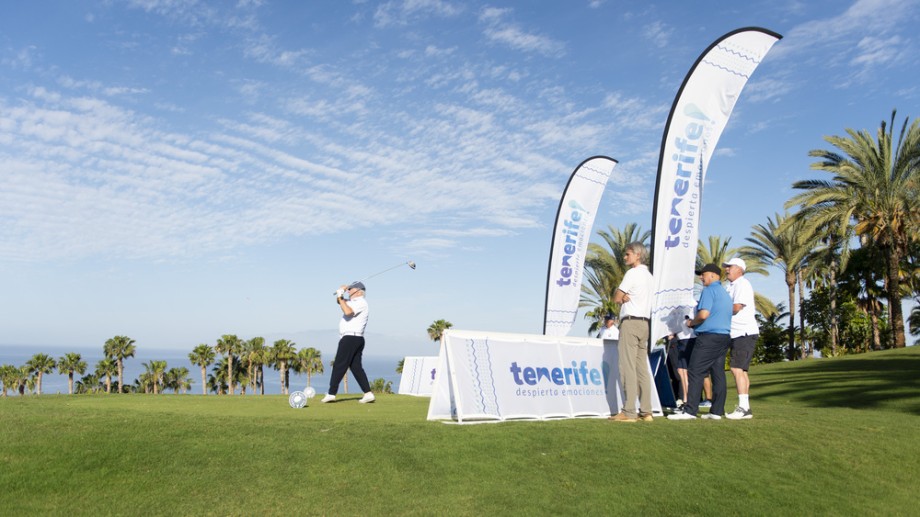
x: 876, y: 185
x: 120, y: 348
x: 202, y: 356
x: 436, y: 329
x: 41, y: 364
x: 787, y: 250
x: 107, y: 368
x: 230, y: 346
x: 399, y: 366
x: 253, y: 356
x: 71, y: 362
x: 310, y: 361
x: 283, y: 352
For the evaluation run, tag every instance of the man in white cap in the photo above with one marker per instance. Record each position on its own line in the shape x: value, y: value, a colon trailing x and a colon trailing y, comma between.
x: 351, y: 342
x: 744, y: 333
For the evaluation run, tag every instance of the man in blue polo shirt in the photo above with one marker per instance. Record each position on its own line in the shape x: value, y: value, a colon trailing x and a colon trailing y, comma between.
x: 712, y: 325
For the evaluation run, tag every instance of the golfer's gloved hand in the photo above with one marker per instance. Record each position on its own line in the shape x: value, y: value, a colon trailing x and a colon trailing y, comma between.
x: 340, y: 293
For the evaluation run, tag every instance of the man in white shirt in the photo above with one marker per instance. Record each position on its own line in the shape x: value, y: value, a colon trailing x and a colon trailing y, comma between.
x: 609, y: 330
x: 634, y: 295
x: 351, y: 343
x: 744, y: 332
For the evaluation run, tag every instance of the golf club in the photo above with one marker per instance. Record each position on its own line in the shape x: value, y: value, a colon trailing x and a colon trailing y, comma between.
x: 408, y: 263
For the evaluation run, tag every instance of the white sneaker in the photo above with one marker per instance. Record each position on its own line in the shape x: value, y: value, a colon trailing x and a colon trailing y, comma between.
x: 740, y: 414
x: 367, y: 398
x: 328, y: 398
x: 712, y: 416
x: 680, y: 415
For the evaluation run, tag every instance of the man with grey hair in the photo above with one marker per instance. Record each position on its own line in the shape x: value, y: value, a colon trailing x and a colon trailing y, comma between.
x: 634, y: 295
x: 351, y: 344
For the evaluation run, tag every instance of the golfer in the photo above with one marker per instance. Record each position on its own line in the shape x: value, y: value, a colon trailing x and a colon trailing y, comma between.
x: 351, y: 342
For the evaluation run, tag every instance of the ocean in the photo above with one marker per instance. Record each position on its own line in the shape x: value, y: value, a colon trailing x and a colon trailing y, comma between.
x: 376, y: 367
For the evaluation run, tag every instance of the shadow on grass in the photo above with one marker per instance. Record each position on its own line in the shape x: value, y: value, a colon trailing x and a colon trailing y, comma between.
x: 880, y: 379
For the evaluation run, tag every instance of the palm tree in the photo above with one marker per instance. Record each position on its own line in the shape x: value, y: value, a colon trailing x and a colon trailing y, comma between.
x: 19, y: 379
x: 229, y: 345
x: 106, y: 368
x: 283, y: 352
x: 913, y: 321
x: 309, y: 361
x: 7, y: 371
x: 719, y: 252
x: 71, y: 362
x: 786, y: 249
x: 253, y: 356
x: 41, y: 364
x: 218, y: 381
x: 876, y: 185
x: 604, y: 270
x: 120, y: 348
x: 88, y: 384
x: 202, y: 356
x: 399, y: 367
x: 177, y: 379
x: 153, y: 377
x: 436, y: 329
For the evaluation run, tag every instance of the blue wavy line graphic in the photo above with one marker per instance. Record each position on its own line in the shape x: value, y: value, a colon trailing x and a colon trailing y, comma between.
x: 472, y: 348
x: 729, y: 70
x: 739, y: 54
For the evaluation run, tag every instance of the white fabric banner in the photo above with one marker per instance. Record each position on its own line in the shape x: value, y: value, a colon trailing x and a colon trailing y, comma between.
x: 418, y: 376
x: 571, y: 234
x: 699, y: 114
x: 492, y: 376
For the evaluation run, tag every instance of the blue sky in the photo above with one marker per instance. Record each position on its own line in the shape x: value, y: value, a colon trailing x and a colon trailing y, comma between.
x: 177, y: 170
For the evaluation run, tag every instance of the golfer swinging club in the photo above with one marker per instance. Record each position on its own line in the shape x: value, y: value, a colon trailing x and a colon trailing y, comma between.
x: 351, y: 343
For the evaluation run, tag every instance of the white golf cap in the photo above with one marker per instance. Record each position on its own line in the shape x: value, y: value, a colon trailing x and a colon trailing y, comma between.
x: 736, y: 262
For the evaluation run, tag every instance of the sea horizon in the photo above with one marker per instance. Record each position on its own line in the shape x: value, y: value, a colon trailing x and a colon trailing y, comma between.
x: 17, y: 355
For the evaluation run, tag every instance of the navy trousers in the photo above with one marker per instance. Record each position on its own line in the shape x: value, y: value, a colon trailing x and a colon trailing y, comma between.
x: 708, y: 357
x: 348, y: 357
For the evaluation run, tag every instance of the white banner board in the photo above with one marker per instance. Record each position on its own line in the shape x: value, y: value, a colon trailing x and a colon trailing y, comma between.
x: 418, y: 376
x: 492, y: 376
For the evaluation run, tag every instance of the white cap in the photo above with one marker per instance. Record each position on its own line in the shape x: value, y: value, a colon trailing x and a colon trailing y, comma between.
x: 736, y: 262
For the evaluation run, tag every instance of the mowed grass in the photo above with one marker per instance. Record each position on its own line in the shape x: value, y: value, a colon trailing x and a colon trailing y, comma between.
x: 832, y: 436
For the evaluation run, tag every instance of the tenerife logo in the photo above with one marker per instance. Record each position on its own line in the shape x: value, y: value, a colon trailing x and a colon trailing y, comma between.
x: 578, y: 375
x: 688, y: 160
x: 572, y: 229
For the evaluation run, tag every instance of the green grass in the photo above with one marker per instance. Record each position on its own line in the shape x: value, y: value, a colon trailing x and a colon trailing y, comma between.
x: 833, y: 436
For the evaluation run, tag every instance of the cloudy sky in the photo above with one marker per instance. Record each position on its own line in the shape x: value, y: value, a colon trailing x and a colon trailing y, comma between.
x: 175, y: 170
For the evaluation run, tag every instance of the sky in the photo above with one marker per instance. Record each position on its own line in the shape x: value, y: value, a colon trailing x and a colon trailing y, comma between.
x: 176, y: 170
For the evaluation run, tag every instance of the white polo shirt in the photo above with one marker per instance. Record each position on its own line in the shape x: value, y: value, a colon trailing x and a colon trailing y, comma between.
x: 354, y: 325
x: 639, y: 285
x: 744, y: 323
x: 609, y: 333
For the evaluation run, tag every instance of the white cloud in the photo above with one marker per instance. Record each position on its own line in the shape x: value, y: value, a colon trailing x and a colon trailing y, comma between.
x: 515, y: 37
x: 404, y: 12
x: 657, y: 33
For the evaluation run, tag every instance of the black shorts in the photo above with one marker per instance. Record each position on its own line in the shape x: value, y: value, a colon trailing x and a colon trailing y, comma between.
x: 684, y: 349
x: 742, y: 351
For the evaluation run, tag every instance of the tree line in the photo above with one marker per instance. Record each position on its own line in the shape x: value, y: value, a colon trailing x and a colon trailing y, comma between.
x: 849, y: 251
x: 241, y: 366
